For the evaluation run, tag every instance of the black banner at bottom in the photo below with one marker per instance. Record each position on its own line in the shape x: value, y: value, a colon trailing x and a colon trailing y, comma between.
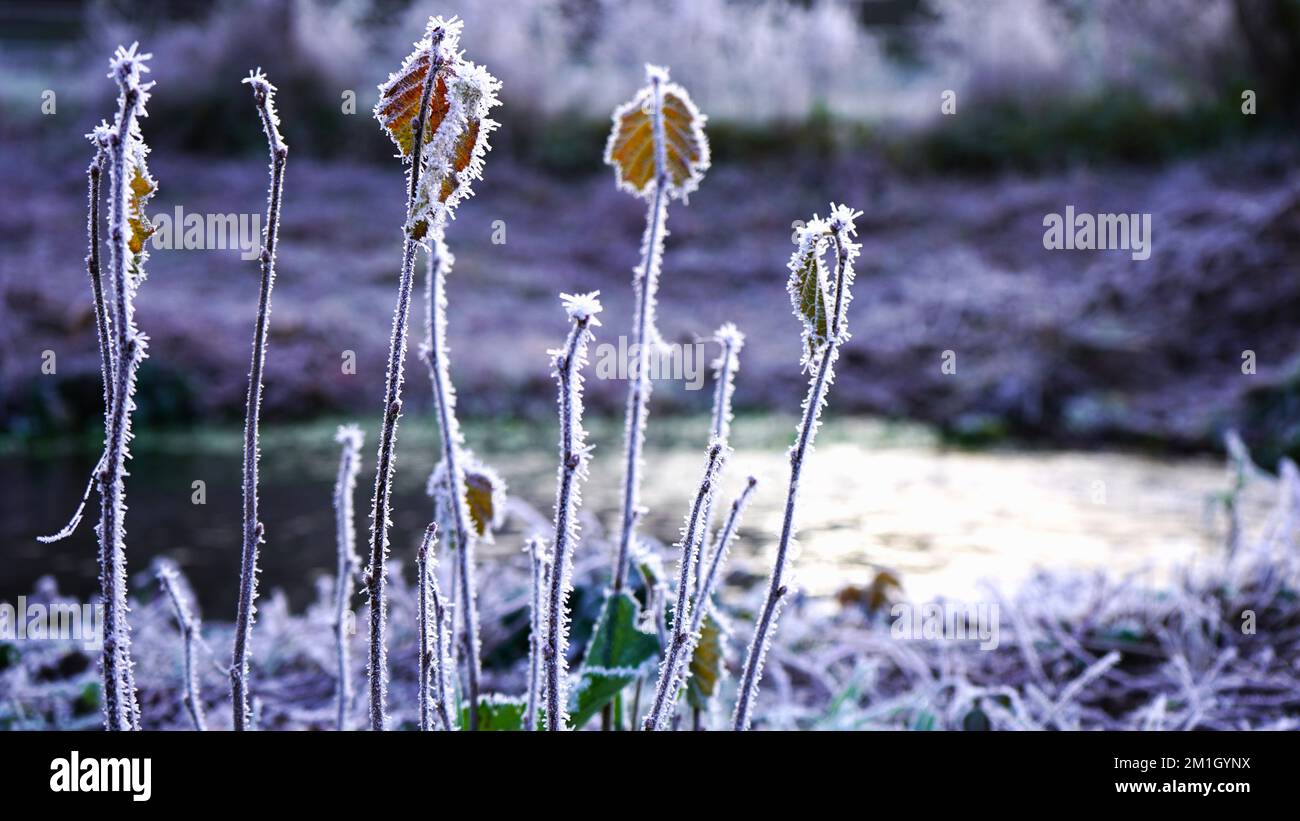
x: 131, y: 772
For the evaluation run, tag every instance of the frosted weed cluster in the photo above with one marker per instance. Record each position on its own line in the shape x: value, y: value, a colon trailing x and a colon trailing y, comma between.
x: 435, y: 109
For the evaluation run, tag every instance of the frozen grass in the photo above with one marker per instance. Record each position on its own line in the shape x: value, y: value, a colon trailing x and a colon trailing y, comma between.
x: 1078, y: 650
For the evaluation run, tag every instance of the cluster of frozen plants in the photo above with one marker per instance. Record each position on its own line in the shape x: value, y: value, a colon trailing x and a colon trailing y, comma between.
x: 435, y: 109
x: 1084, y: 652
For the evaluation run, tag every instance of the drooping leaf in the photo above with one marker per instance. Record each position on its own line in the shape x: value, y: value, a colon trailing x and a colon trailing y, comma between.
x: 618, y: 651
x: 497, y: 713
x: 485, y: 494
x: 631, y: 147
x: 708, y: 664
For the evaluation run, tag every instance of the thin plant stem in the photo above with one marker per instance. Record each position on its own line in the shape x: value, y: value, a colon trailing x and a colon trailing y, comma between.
x: 444, y: 400
x: 845, y: 250
x: 574, y: 454
x: 121, y: 710
x: 423, y: 606
x: 646, y: 283
x: 719, y: 557
x: 379, y: 514
x: 724, y: 387
x: 351, y: 439
x: 253, y: 531
x: 103, y: 326
x: 661, y: 708
x: 536, y: 628
x: 189, y: 627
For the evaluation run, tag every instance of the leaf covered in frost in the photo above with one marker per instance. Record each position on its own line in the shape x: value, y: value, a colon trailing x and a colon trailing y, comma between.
x: 633, y: 150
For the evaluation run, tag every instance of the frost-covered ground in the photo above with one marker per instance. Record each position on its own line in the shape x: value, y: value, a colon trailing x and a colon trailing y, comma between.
x: 1215, y: 649
x: 1212, y: 644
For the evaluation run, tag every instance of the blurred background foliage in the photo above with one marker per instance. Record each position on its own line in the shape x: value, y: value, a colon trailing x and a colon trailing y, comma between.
x: 1046, y: 82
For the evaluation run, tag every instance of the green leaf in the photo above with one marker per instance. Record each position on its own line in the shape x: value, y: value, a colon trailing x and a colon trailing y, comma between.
x: 807, y: 288
x: 707, y: 665
x: 497, y: 712
x: 618, y: 651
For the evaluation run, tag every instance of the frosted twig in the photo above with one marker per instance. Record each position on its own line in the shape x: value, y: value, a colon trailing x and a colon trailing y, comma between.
x: 189, y: 627
x: 820, y: 354
x: 94, y: 175
x: 566, y: 364
x: 127, y: 151
x: 536, y: 628
x: 379, y: 515
x: 680, y: 644
x: 444, y: 399
x: 724, y: 385
x: 264, y: 97
x: 719, y: 556
x: 350, y: 438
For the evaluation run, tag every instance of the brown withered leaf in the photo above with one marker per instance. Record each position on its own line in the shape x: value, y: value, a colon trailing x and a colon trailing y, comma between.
x: 631, y: 145
x: 399, y: 101
x: 461, y: 159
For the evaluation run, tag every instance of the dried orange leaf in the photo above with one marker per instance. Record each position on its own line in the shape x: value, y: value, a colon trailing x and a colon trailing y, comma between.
x: 660, y: 125
x: 398, y: 108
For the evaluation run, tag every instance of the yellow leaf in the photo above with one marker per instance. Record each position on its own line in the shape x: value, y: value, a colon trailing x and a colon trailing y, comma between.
x: 631, y: 148
x: 484, y: 496
x: 708, y: 663
x: 141, y: 189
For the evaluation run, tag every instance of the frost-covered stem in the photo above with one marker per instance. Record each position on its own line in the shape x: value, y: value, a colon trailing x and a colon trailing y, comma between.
x: 443, y: 701
x: 120, y: 710
x: 103, y: 329
x: 720, y: 554
x: 536, y: 624
x: 351, y: 438
x: 567, y: 364
x: 264, y: 97
x: 646, y: 284
x: 444, y: 401
x: 379, y: 513
x: 813, y: 403
x: 661, y: 708
x: 638, y: 397
x: 724, y: 386
x: 189, y: 627
x: 423, y: 570
x: 102, y: 322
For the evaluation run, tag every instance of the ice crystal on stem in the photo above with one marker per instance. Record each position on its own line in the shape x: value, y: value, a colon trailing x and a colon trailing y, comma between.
x: 350, y: 438
x: 659, y: 151
x: 190, y: 636
x: 566, y: 364
x: 434, y: 110
x: 819, y: 304
x: 264, y: 97
x: 680, y: 642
